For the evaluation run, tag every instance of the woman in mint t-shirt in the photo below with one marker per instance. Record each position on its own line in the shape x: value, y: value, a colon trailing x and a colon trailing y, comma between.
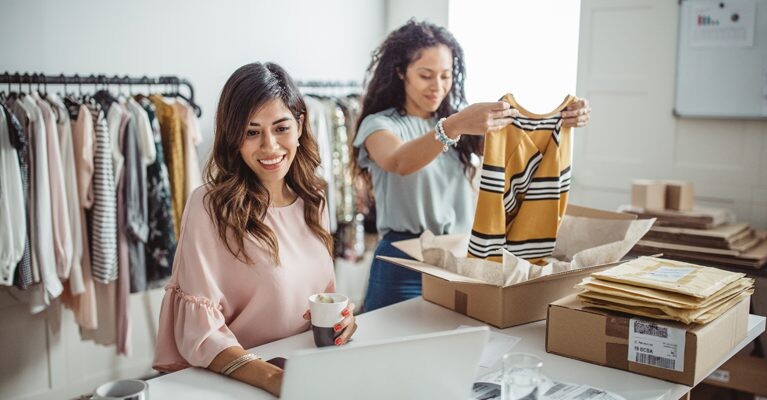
x: 415, y: 148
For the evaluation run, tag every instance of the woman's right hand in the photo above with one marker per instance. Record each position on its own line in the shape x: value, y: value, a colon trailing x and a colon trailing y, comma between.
x: 479, y: 118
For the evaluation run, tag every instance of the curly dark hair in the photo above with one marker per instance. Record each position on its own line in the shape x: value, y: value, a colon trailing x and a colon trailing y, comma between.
x: 236, y: 200
x: 385, y: 89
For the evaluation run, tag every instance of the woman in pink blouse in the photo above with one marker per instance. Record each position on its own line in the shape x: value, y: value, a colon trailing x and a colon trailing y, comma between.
x: 254, y: 242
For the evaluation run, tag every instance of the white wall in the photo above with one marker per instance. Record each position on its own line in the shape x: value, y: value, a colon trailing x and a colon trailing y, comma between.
x: 203, y: 41
x: 399, y: 11
x: 42, y: 357
x: 527, y: 48
x: 626, y: 68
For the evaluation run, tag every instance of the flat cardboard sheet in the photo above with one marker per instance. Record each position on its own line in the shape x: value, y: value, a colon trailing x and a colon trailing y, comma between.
x: 755, y: 257
x: 698, y: 218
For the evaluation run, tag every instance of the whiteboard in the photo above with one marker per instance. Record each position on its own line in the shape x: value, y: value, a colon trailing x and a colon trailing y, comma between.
x: 722, y: 59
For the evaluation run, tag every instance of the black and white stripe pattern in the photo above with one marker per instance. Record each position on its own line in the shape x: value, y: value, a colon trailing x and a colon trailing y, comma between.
x: 555, y: 134
x: 492, y: 178
x: 483, y: 245
x: 533, y: 124
x: 553, y: 124
x: 103, y: 215
x: 532, y: 248
x: 549, y: 188
x: 519, y: 183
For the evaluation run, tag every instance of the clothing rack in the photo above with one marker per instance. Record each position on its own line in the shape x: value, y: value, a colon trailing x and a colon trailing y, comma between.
x: 328, y: 84
x: 329, y: 88
x: 172, y: 82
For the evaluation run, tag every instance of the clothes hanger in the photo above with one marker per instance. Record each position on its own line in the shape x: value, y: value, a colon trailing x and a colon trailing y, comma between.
x: 7, y: 78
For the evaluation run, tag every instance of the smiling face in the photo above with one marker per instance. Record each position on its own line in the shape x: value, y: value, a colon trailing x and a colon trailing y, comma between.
x: 270, y: 143
x: 428, y: 80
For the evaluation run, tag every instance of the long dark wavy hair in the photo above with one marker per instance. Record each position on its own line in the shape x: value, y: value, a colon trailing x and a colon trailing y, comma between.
x: 385, y: 89
x: 236, y: 200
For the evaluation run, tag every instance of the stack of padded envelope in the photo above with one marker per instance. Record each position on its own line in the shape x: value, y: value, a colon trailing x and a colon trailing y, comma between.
x: 665, y: 289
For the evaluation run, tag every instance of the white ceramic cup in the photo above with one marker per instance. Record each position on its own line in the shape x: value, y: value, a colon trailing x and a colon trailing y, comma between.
x: 325, y: 316
x: 124, y: 389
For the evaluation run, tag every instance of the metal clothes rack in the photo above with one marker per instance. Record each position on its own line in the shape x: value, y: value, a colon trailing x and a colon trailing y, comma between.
x: 172, y: 82
x: 328, y: 84
x: 329, y: 88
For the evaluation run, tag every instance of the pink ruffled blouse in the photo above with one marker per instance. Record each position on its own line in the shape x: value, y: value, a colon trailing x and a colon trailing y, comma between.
x: 214, y: 301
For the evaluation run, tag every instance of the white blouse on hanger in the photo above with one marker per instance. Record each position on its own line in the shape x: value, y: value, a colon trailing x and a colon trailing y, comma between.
x: 13, y: 230
x: 41, y: 227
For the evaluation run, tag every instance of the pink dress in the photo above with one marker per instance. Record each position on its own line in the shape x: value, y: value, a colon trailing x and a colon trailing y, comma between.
x: 214, y: 301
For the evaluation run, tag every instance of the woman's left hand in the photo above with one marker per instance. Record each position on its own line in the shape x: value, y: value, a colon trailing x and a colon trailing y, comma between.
x: 577, y: 114
x: 348, y: 324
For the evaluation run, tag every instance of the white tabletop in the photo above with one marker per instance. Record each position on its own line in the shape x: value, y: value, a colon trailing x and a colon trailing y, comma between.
x: 418, y: 316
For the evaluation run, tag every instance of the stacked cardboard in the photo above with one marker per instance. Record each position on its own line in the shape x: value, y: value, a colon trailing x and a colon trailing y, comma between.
x: 665, y: 289
x: 697, y: 218
x: 684, y: 232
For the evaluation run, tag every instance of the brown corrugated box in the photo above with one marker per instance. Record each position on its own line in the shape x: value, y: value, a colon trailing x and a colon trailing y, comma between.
x: 505, y: 306
x: 601, y: 337
x: 679, y: 195
x: 745, y: 373
x: 648, y: 194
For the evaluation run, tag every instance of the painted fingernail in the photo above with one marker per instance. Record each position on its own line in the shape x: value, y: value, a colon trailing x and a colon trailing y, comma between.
x: 336, y: 328
x: 339, y: 341
x: 345, y: 312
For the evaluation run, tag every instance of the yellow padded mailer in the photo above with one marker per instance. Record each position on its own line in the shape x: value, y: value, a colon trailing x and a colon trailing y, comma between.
x: 661, y: 297
x: 671, y: 276
x: 690, y: 316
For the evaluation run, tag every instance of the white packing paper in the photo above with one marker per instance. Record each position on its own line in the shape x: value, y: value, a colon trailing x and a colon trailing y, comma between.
x: 607, y: 241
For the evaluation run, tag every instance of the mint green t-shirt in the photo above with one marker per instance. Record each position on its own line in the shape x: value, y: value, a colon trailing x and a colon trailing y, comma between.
x: 438, y: 197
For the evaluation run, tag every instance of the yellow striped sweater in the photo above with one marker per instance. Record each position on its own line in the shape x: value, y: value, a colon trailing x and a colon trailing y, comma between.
x: 524, y: 185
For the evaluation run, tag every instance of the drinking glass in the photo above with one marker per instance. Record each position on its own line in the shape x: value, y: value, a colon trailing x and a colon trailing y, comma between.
x: 521, y: 375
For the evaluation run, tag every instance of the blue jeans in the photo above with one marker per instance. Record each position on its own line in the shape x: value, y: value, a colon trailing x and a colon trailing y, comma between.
x: 389, y: 283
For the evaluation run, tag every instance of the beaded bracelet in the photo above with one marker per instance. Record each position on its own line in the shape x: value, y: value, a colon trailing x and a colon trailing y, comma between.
x: 439, y: 134
x: 237, y: 363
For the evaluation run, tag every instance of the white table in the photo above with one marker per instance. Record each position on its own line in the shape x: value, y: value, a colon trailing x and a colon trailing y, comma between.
x: 417, y: 316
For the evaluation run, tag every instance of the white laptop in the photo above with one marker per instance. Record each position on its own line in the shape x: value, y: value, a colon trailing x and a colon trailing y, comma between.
x: 440, y: 365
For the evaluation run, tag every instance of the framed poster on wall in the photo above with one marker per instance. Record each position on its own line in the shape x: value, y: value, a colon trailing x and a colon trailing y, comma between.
x: 722, y: 59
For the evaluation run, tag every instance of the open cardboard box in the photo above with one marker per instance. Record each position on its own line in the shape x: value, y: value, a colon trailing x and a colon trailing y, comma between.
x: 500, y: 306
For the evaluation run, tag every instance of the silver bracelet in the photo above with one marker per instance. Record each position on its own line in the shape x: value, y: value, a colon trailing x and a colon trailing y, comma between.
x: 237, y: 363
x: 439, y: 134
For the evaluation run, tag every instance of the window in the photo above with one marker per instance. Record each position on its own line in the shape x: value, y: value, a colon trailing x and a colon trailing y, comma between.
x: 527, y: 48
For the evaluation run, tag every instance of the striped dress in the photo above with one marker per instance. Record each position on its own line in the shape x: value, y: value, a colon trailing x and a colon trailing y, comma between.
x: 103, y: 213
x: 524, y: 185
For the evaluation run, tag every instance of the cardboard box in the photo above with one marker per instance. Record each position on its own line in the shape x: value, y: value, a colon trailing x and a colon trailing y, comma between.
x: 605, y: 337
x: 505, y: 306
x: 710, y: 392
x: 648, y: 195
x: 744, y: 373
x: 679, y: 195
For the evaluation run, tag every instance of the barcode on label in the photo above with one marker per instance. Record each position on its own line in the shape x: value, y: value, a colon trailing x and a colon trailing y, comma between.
x: 555, y: 389
x: 647, y: 328
x: 655, y: 361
